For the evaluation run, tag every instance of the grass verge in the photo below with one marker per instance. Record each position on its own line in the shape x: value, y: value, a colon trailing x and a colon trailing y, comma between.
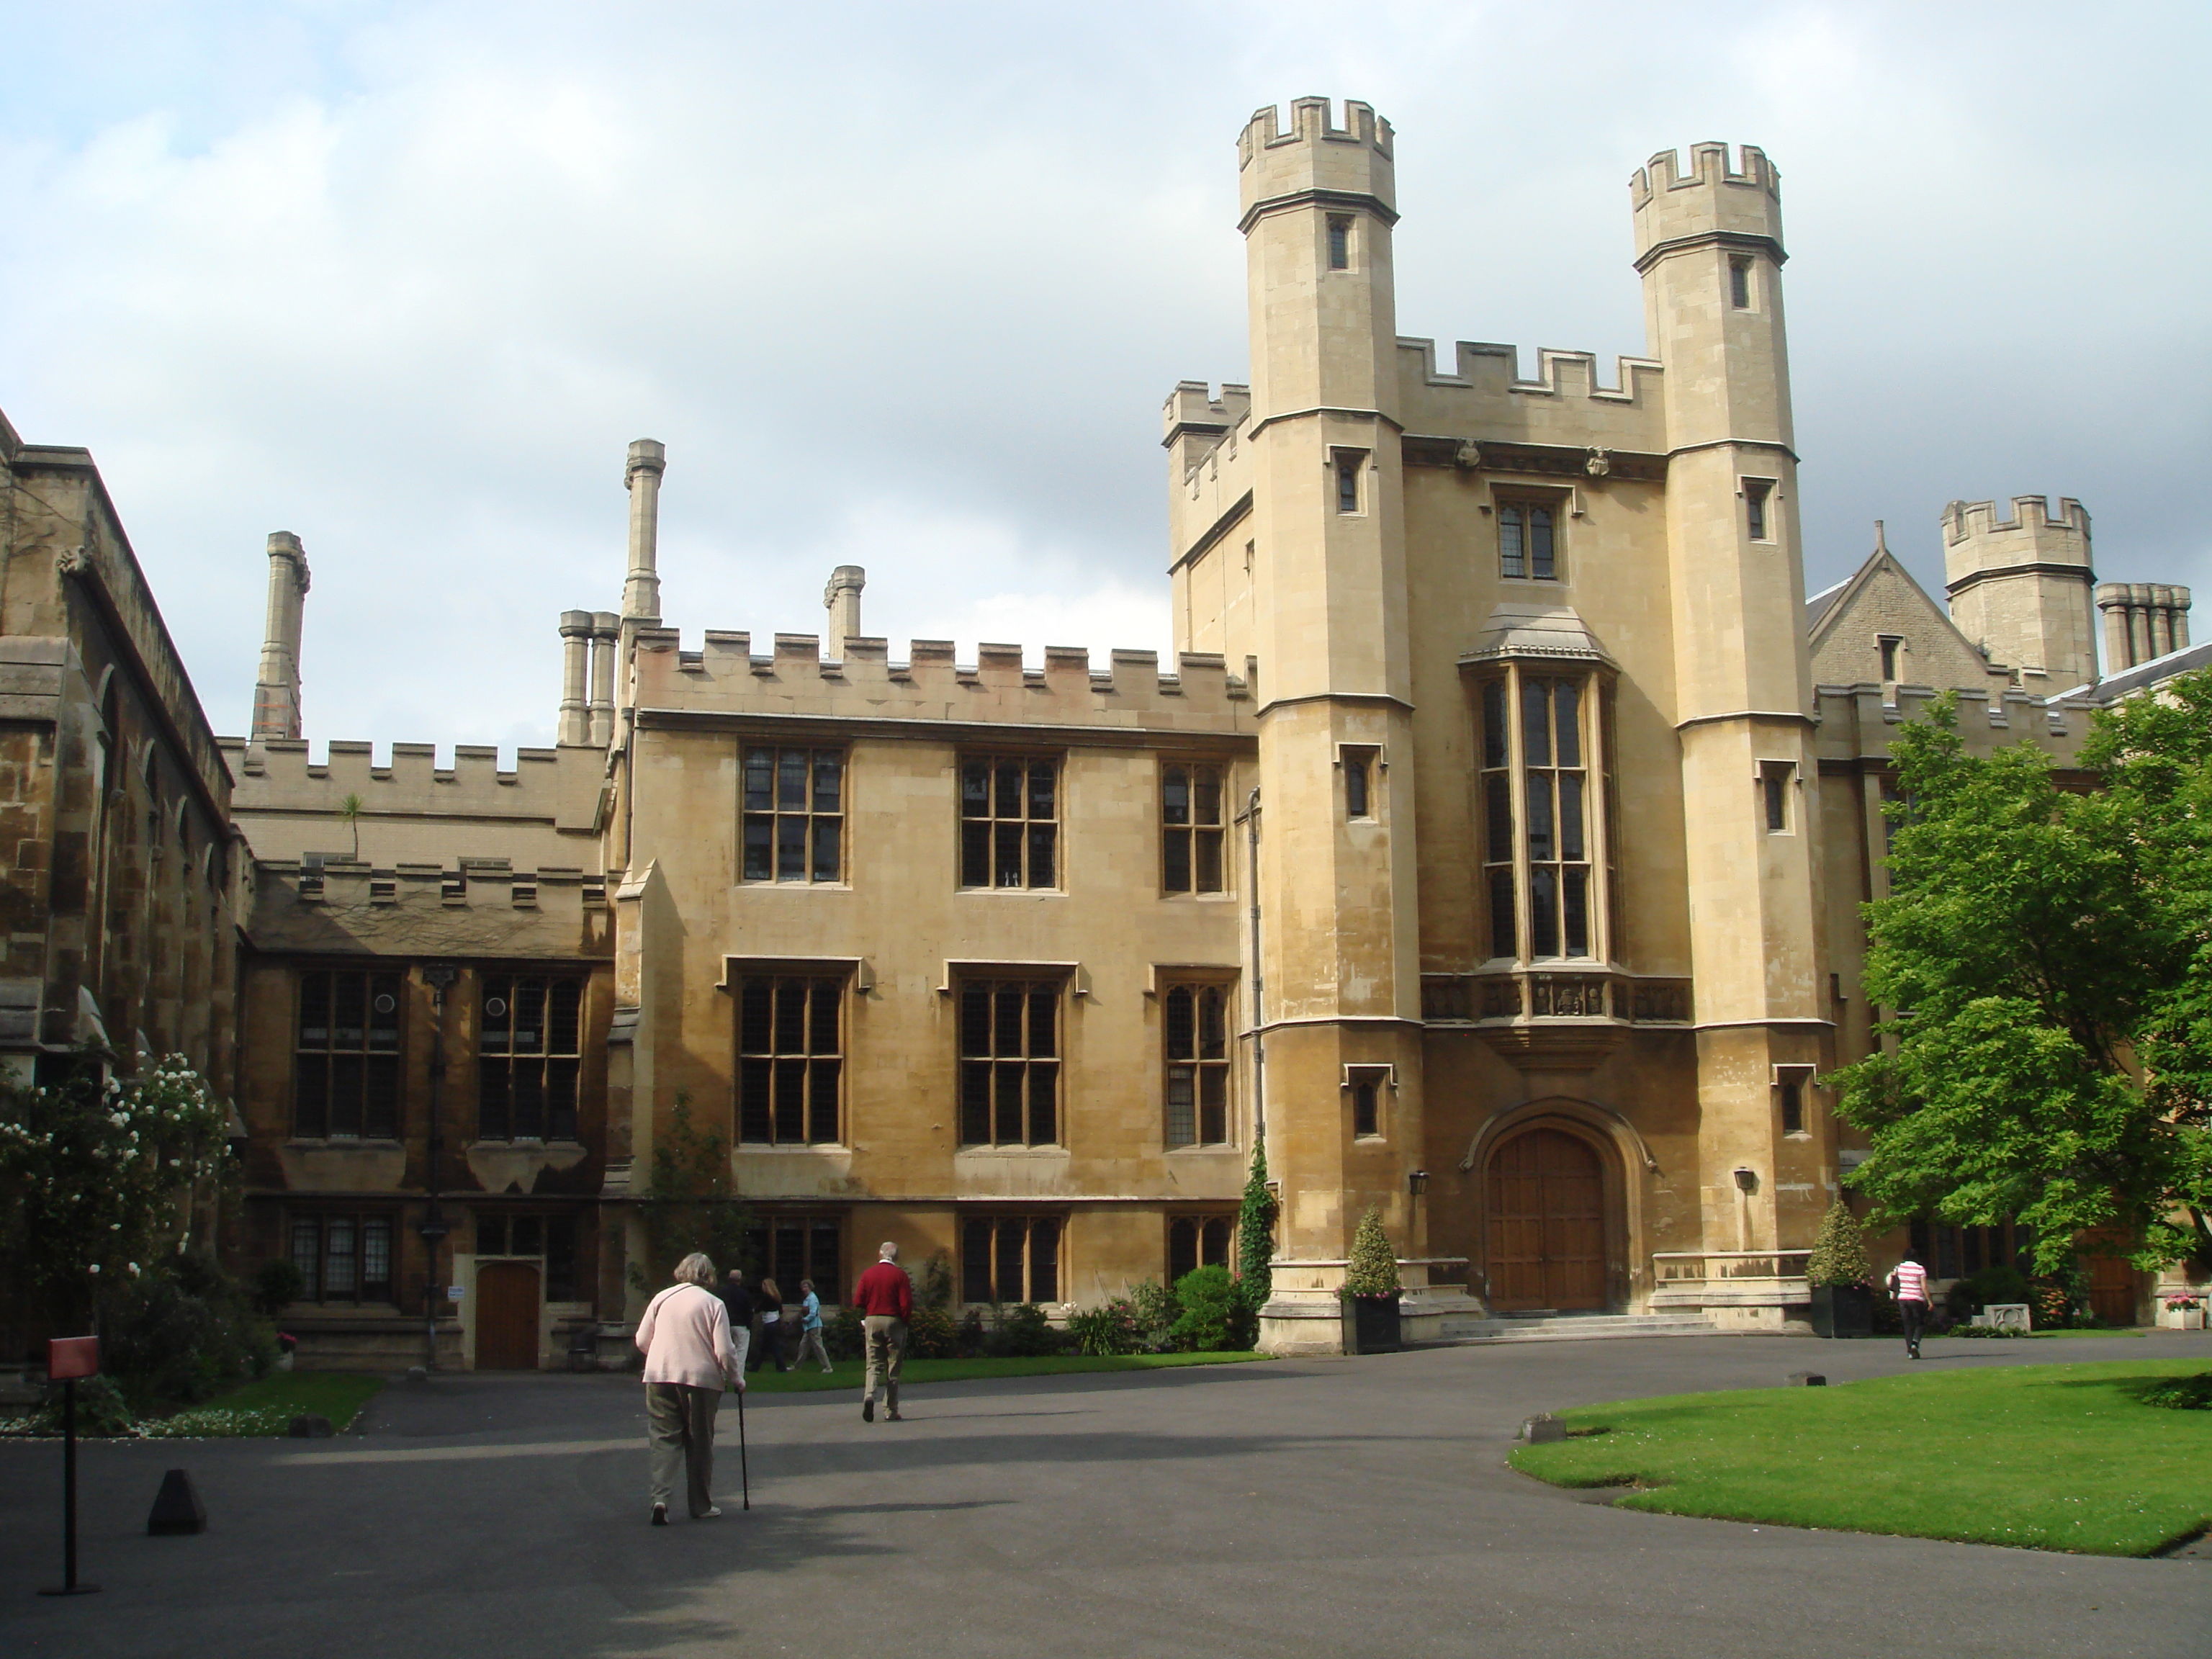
x: 847, y: 1374
x: 268, y: 1406
x: 2056, y: 1457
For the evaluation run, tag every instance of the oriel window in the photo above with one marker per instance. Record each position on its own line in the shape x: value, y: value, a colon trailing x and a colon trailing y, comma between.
x: 1195, y: 1020
x: 529, y: 1057
x: 1527, y: 546
x: 1009, y: 823
x: 1010, y: 1062
x: 794, y: 813
x: 1542, y: 821
x: 790, y: 1058
x: 1191, y: 828
x: 1010, y: 1258
x: 345, y: 1063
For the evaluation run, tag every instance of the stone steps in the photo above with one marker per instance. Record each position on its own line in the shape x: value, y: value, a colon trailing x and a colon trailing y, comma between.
x: 1575, y: 1327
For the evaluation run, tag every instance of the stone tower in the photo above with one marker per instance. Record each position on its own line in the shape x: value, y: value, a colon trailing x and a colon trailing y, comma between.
x: 1336, y: 883
x: 2021, y: 589
x: 277, y: 687
x: 1709, y: 246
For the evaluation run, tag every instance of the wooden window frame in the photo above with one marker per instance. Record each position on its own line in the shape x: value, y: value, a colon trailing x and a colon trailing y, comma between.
x: 319, y: 1229
x: 510, y: 1100
x: 320, y: 1069
x: 780, y: 1088
x: 988, y: 1054
x: 996, y: 1248
x: 1194, y: 839
x: 1206, y: 1064
x: 773, y: 819
x: 1212, y: 1242
x: 995, y: 842
x: 1529, y: 802
x: 822, y: 1253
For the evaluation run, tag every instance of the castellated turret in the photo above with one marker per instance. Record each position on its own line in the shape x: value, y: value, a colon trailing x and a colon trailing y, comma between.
x: 2021, y: 587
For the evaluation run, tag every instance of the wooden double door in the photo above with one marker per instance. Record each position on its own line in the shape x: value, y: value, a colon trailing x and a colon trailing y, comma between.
x: 507, y: 1316
x: 1545, y: 1225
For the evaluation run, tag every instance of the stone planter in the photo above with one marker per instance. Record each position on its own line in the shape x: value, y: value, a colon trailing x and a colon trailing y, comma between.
x: 1371, y: 1325
x: 2182, y: 1319
x: 1843, y: 1310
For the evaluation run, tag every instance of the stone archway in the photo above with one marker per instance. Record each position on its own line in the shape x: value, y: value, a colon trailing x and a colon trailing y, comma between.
x: 1548, y: 1241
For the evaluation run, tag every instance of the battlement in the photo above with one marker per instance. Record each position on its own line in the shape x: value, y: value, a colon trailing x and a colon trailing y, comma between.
x: 1672, y: 204
x: 479, y: 907
x: 2032, y: 519
x: 795, y: 678
x: 1192, y: 409
x: 557, y: 786
x: 1567, y: 402
x: 1347, y: 162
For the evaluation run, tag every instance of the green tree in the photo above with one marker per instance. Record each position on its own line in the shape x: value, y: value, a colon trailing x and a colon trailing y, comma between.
x: 2039, y: 948
x: 692, y: 1203
x: 1840, y: 1252
x: 1255, y: 1235
x: 1373, y: 1269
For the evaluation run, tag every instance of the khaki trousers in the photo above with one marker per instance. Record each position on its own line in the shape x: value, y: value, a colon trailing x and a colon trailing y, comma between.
x: 885, y: 1342
x: 679, y: 1425
x: 810, y: 1343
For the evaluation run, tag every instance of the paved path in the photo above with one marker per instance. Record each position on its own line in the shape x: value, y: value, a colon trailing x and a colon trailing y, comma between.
x: 1316, y: 1507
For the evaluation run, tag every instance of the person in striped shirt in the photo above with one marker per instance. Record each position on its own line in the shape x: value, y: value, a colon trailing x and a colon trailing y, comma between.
x: 1908, y: 1284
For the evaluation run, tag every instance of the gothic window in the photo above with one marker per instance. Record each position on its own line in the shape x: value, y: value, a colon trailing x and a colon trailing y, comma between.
x: 345, y: 1059
x: 1195, y: 1242
x: 529, y: 1053
x: 1010, y: 1062
x: 343, y: 1258
x: 1195, y: 1020
x: 790, y: 1248
x: 1528, y: 542
x: 1191, y: 828
x: 1364, y: 1084
x: 1340, y: 241
x: 790, y: 1058
x: 1542, y: 819
x: 1790, y: 1085
x: 1775, y: 778
x: 1010, y: 1258
x: 794, y: 806
x: 1009, y: 823
x: 1358, y: 768
x: 1349, y: 462
x: 1740, y: 283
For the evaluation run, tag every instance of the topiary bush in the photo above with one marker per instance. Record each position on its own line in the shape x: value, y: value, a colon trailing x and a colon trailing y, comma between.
x: 1840, y: 1252
x: 1210, y: 1304
x: 1373, y: 1270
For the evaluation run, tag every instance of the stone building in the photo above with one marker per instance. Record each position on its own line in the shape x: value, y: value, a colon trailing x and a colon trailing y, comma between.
x: 1526, y: 915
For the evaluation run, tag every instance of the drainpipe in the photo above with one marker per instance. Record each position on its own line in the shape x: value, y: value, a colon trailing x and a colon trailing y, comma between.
x: 437, y: 977
x: 1250, y: 819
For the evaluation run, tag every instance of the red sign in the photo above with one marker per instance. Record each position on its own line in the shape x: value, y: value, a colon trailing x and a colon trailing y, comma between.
x: 72, y: 1356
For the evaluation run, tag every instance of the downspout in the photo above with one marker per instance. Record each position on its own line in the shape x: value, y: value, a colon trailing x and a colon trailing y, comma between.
x: 1250, y: 818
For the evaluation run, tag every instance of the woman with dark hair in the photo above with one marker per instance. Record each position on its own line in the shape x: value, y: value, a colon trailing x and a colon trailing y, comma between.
x: 685, y: 1338
x: 769, y: 1326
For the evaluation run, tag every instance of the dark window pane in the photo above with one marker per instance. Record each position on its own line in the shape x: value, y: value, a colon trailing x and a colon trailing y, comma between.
x: 1044, y: 1003
x: 791, y: 780
x: 1044, y: 1260
x: 1175, y: 858
x: 1497, y: 794
x: 1043, y: 844
x: 495, y: 1115
x: 314, y: 1011
x: 563, y: 1017
x: 1213, y: 1249
x: 1044, y: 1113
x: 825, y: 848
x: 1502, y: 942
x: 1007, y: 789
x: 311, y: 1096
x: 1512, y: 557
x: 1571, y: 816
x: 529, y: 1016
x: 790, y: 1259
x: 529, y: 1103
x: 1536, y: 723
x: 1365, y: 1118
x: 1543, y: 912
x: 1538, y: 799
x: 561, y: 1258
x: 491, y: 1233
x: 791, y: 1017
x: 384, y: 1012
x: 1347, y: 485
x: 1041, y: 789
x: 341, y: 1258
x: 822, y: 1016
x: 1339, y: 244
x: 976, y: 790
x: 791, y: 848
x: 1214, y: 1022
x: 1008, y: 1264
x: 790, y: 1101
x: 1205, y: 794
x: 1567, y: 696
x: 755, y: 1010
x: 829, y: 781
x: 1182, y: 1248
x: 756, y: 1121
x: 345, y: 1096
x: 1213, y: 1105
x: 976, y: 855
x: 529, y: 1235
x: 1209, y: 861
x: 1007, y: 1021
x: 380, y: 1107
x: 1006, y: 850
x: 1355, y: 786
x: 822, y: 1102
x: 1006, y: 1084
x: 1182, y: 1023
x: 822, y: 1255
x: 561, y: 1099
x: 760, y: 849
x: 1493, y: 723
x: 348, y: 1010
x: 1540, y: 542
x: 976, y: 1102
x: 976, y: 1261
x: 376, y: 1257
x: 760, y: 780
x: 1573, y: 885
x: 1175, y: 794
x: 975, y: 1019
x: 1182, y: 1105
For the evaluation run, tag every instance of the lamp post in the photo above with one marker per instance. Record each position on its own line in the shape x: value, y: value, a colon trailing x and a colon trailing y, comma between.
x: 439, y: 976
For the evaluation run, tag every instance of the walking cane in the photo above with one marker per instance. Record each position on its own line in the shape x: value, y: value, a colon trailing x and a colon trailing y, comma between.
x: 745, y: 1476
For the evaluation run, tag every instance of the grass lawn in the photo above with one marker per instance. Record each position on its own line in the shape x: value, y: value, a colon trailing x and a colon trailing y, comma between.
x: 919, y: 1371
x: 2056, y: 1458
x: 267, y: 1406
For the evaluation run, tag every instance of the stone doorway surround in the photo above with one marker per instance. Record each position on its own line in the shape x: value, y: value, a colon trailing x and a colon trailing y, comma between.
x: 1622, y: 1160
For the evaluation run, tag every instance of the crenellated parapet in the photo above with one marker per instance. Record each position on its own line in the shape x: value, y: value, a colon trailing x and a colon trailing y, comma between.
x: 1567, y: 402
x: 462, y: 906
x: 1859, y: 722
x: 1678, y: 208
x: 1280, y: 165
x: 793, y: 679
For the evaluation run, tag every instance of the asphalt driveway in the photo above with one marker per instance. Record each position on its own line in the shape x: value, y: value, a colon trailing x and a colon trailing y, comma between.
x: 1312, y: 1507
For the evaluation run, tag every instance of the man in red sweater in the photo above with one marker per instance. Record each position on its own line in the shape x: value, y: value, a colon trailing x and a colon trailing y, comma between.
x: 884, y: 1296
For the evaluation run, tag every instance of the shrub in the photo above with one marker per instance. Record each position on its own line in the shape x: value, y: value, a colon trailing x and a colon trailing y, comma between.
x: 1109, y: 1330
x: 1024, y: 1332
x: 277, y: 1286
x: 1839, y: 1256
x: 933, y: 1285
x: 1255, y: 1240
x: 184, y: 1332
x: 842, y: 1335
x: 101, y: 1409
x: 931, y: 1334
x: 1373, y: 1270
x: 1156, y: 1313
x: 1209, y: 1302
x: 2181, y: 1394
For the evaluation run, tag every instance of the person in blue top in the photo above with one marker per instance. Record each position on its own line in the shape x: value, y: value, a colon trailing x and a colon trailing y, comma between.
x: 810, y: 1325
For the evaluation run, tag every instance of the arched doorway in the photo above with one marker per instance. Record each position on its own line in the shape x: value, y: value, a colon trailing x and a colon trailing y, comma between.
x: 1546, y: 1224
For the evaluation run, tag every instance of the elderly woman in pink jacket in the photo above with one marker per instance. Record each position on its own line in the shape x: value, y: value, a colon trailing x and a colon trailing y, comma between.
x: 685, y: 1338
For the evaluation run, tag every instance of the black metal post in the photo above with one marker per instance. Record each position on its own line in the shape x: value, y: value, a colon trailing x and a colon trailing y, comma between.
x: 437, y: 977
x: 69, y: 1586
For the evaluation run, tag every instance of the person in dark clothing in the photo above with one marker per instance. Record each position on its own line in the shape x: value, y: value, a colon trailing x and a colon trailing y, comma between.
x: 739, y: 1301
x: 767, y: 1325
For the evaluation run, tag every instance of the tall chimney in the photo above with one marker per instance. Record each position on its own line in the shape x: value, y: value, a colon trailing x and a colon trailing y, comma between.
x: 2143, y: 620
x: 575, y: 643
x: 606, y: 636
x: 641, y: 477
x: 842, y: 597
x: 277, y: 691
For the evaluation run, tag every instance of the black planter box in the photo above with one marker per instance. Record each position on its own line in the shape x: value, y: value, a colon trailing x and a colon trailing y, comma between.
x: 1843, y: 1310
x: 1371, y: 1325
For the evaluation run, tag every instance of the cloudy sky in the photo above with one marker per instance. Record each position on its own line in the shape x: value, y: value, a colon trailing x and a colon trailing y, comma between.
x: 905, y: 285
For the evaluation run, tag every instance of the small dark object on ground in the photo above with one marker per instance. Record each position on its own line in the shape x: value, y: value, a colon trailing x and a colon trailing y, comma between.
x: 309, y: 1426
x: 1808, y: 1380
x: 178, y: 1512
x: 1542, y: 1429
x: 2181, y: 1394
